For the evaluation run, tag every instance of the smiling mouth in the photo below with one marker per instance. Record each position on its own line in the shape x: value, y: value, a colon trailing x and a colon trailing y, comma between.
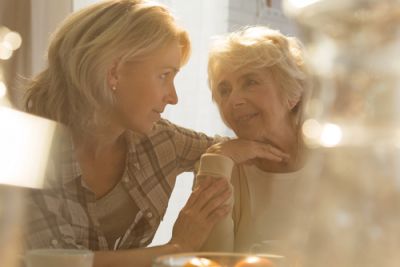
x: 247, y: 117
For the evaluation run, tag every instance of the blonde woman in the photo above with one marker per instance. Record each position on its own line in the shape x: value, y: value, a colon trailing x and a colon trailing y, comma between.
x: 258, y: 81
x: 110, y: 75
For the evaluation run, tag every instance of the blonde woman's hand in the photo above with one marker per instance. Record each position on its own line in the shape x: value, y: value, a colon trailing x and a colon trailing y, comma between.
x: 245, y: 151
x: 204, y: 208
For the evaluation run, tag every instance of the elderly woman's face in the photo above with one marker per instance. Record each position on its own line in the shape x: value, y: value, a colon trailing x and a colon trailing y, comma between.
x: 253, y: 105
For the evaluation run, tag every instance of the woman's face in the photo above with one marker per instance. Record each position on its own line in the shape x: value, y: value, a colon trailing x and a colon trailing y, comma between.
x: 144, y: 88
x: 253, y: 105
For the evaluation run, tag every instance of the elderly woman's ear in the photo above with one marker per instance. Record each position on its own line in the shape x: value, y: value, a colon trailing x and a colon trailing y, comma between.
x: 293, y: 101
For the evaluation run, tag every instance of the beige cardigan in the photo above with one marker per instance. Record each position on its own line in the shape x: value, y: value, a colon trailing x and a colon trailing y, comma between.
x: 264, y: 211
x: 264, y: 208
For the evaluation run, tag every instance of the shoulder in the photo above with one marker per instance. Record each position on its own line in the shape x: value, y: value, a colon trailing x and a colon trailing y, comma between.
x: 164, y: 125
x: 166, y: 129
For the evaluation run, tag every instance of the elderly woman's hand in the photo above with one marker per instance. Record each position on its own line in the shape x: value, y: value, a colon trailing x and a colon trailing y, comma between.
x: 205, y: 207
x: 244, y: 151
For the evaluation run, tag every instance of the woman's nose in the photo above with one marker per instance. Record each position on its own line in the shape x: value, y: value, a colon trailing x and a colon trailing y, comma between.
x: 236, y: 99
x: 172, y: 97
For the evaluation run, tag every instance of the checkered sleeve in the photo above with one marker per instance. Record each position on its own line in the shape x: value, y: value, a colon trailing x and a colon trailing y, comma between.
x: 46, y: 228
x: 189, y: 145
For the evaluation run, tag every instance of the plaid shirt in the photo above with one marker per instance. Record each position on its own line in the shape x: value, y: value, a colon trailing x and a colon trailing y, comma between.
x: 62, y: 215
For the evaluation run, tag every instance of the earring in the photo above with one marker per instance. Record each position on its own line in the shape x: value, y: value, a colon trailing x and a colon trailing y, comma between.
x: 114, y: 88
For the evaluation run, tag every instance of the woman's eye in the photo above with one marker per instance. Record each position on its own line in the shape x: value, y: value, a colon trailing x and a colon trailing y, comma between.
x: 223, y: 91
x: 250, y: 82
x: 164, y: 75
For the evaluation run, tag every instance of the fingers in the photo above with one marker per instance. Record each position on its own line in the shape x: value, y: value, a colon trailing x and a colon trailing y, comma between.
x: 268, y: 151
x: 277, y: 152
x: 241, y: 151
x: 217, y: 202
x: 215, y: 189
x: 205, y: 189
x: 202, y: 185
x: 219, y: 214
x: 191, y: 228
x: 205, y: 207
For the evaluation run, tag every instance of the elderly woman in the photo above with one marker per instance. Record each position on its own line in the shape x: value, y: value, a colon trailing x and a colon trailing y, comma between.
x: 258, y: 80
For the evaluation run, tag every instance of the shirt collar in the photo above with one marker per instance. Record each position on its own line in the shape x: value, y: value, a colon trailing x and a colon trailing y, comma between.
x: 69, y: 165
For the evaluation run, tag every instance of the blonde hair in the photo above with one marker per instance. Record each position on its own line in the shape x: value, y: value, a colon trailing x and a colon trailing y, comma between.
x: 259, y: 47
x: 73, y: 89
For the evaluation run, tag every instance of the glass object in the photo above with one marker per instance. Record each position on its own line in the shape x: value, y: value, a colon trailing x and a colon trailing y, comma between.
x: 353, y: 127
x: 278, y: 248
x: 217, y: 259
x: 11, y: 221
x: 59, y: 258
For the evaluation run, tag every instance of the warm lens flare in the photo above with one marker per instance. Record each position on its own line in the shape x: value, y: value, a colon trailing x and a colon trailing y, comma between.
x: 312, y: 129
x: 9, y: 41
x: 201, y: 262
x: 331, y: 135
x: 13, y: 39
x: 254, y: 261
x: 327, y: 135
x: 5, y: 51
